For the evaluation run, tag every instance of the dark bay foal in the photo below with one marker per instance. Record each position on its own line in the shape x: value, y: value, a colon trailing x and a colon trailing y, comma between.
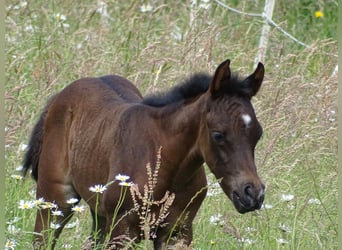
x: 97, y: 128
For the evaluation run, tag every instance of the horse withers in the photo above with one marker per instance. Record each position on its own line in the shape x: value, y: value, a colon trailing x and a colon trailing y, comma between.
x: 97, y: 128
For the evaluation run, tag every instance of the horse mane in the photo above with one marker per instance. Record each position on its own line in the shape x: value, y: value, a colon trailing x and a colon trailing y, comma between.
x: 192, y: 87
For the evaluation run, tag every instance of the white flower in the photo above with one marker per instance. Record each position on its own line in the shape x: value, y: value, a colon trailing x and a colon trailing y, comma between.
x: 14, y: 220
x: 60, y: 17
x: 98, y: 189
x: 55, y: 225
x: 266, y: 206
x: 287, y: 197
x: 314, y: 201
x: 72, y: 224
x: 66, y: 246
x: 246, y: 241
x: 48, y: 205
x: 282, y: 241
x: 16, y: 176
x: 78, y: 209
x: 22, y: 147
x: 10, y: 244
x: 146, y: 8
x: 19, y: 168
x: 57, y: 213
x: 284, y: 228
x: 12, y: 229
x: 39, y: 202
x: 121, y: 177
x: 216, y: 219
x: 250, y: 229
x: 126, y: 184
x: 26, y: 204
x: 72, y: 201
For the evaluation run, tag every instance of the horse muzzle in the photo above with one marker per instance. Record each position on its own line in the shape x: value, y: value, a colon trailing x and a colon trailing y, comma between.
x: 248, y: 198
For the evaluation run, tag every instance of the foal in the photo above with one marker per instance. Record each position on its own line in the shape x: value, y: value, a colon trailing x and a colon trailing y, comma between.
x: 97, y: 128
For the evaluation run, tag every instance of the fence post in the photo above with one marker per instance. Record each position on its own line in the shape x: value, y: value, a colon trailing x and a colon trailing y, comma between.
x: 267, y: 14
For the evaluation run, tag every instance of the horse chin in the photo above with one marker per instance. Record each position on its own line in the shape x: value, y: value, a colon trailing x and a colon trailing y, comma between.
x: 239, y: 206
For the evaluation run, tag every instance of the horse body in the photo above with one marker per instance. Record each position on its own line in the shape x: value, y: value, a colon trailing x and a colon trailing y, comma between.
x: 97, y: 128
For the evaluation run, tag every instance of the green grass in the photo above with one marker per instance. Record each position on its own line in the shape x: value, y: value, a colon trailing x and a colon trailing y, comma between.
x: 155, y: 50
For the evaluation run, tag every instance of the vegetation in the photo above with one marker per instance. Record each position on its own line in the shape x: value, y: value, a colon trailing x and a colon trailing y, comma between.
x: 156, y: 44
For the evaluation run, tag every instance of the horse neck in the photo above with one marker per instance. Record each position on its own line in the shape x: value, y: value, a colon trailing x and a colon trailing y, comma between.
x: 181, y: 126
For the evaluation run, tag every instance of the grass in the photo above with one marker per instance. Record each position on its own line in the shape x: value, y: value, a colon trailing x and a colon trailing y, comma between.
x: 51, y: 44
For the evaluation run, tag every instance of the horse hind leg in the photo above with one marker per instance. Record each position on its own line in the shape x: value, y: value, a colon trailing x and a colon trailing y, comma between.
x: 52, y: 216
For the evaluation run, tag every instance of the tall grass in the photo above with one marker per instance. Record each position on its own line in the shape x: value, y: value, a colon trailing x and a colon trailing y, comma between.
x: 50, y: 44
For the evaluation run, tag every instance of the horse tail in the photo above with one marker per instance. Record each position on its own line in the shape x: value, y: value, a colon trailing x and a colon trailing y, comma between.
x: 32, y: 155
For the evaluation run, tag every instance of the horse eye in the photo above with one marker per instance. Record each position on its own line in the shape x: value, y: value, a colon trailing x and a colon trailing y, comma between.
x: 218, y: 137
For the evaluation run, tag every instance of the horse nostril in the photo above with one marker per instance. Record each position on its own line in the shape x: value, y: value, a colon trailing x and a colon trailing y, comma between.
x: 249, y: 190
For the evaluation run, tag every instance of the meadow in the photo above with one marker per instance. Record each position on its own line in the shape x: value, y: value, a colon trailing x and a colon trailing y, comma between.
x: 156, y: 44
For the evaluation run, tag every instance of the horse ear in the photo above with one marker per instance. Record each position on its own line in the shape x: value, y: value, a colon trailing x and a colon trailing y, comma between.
x: 254, y: 80
x: 221, y: 78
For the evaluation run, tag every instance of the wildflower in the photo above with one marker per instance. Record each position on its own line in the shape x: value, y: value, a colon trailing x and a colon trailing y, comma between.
x: 282, y: 241
x: 72, y: 224
x: 266, y: 206
x: 29, y: 28
x: 212, y: 242
x: 60, y: 17
x: 250, y: 229
x: 72, y: 201
x: 19, y: 168
x: 48, y: 205
x: 216, y: 219
x: 204, y: 4
x: 78, y: 209
x: 57, y: 213
x: 319, y: 14
x: 287, y: 197
x: 66, y: 246
x: 125, y: 184
x: 121, y: 177
x: 14, y: 220
x: 10, y: 244
x: 246, y: 241
x: 284, y: 228
x: 25, y: 204
x: 12, y: 229
x: 55, y: 225
x: 98, y: 189
x: 22, y: 147
x: 314, y: 201
x: 145, y: 8
x: 39, y: 202
x: 16, y: 177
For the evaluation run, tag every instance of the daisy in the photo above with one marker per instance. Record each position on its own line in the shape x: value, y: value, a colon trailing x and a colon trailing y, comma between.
x: 121, y: 177
x: 287, y: 197
x: 10, y: 244
x: 16, y: 177
x: 57, y: 213
x: 48, y: 205
x: 216, y: 219
x: 98, y: 189
x: 55, y: 225
x: 125, y: 184
x: 25, y: 204
x: 146, y: 8
x: 314, y: 201
x: 78, y: 209
x: 72, y: 201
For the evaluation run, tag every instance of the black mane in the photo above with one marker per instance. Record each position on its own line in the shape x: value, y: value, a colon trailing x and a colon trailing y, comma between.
x: 195, y: 85
x: 192, y: 87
